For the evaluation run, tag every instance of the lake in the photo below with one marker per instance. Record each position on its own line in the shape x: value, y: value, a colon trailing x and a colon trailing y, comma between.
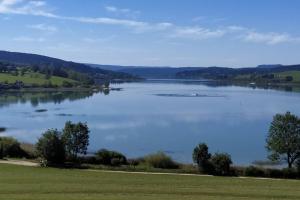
x: 146, y: 117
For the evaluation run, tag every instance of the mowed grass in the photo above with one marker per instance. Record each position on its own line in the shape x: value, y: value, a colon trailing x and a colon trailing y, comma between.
x: 294, y: 74
x: 26, y: 183
x: 34, y: 78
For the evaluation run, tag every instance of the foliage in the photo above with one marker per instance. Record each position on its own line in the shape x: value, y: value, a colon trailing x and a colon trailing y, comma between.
x: 283, y: 141
x: 160, y: 160
x: 113, y: 158
x: 29, y: 149
x: 221, y: 163
x: 10, y: 147
x: 133, y: 162
x: 289, y: 78
x: 254, y: 171
x: 50, y: 147
x: 76, y: 139
x: 201, y: 157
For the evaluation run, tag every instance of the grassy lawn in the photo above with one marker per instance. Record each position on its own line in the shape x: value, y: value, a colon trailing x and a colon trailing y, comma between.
x: 33, y: 78
x: 19, y: 182
x: 294, y: 74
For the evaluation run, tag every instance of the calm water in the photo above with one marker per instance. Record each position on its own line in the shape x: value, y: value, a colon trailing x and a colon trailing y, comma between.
x: 147, y: 117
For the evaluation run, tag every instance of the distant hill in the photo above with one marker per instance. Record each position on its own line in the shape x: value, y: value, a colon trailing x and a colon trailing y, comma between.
x: 23, y: 59
x: 218, y: 72
x: 107, y: 67
x: 196, y: 72
x: 269, y: 66
x: 281, y: 74
x: 147, y: 72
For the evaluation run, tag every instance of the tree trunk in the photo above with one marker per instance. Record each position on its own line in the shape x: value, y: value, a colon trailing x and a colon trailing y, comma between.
x: 290, y: 164
x: 289, y: 160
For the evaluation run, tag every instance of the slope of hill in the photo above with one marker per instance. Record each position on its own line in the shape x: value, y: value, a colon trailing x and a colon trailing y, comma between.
x: 65, y: 67
x: 268, y: 74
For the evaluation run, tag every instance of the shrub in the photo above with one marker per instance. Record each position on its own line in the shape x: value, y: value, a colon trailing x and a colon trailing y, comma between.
x: 89, y: 160
x: 67, y: 84
x: 254, y: 172
x: 289, y: 173
x: 221, y: 163
x: 133, y: 162
x: 116, y: 161
x: 161, y: 160
x: 289, y: 78
x: 274, y: 173
x: 29, y: 149
x: 50, y: 147
x: 107, y: 157
x: 10, y: 147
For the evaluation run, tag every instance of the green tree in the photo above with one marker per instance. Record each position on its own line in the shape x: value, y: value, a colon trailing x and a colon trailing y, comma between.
x: 107, y: 157
x: 201, y: 157
x: 11, y: 147
x: 160, y: 160
x: 76, y: 139
x: 221, y: 163
x: 283, y: 140
x: 51, y: 147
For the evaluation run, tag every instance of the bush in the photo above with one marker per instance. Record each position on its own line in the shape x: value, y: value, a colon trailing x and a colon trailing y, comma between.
x: 50, y: 147
x: 67, y: 84
x: 116, y: 161
x: 289, y: 78
x: 113, y: 158
x: 274, y: 173
x: 133, y: 162
x: 10, y: 147
x: 89, y: 160
x: 254, y: 172
x: 221, y: 163
x: 289, y: 173
x: 161, y: 160
x: 29, y: 149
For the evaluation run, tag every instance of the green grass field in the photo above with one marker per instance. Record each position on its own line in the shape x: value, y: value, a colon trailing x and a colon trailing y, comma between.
x: 33, y: 78
x: 294, y: 74
x: 26, y: 183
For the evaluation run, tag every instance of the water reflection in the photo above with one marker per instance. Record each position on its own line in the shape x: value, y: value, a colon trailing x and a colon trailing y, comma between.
x: 216, y: 84
x: 36, y: 98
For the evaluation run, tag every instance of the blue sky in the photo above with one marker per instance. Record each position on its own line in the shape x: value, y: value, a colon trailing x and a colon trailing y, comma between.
x: 232, y: 33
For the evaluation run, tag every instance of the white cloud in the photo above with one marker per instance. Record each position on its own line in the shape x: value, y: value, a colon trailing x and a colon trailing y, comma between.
x: 39, y: 8
x: 37, y: 3
x: 138, y: 26
x: 98, y: 40
x: 29, y: 39
x: 236, y: 28
x: 122, y: 11
x: 43, y: 27
x: 269, y: 38
x: 198, y: 33
x: 109, y: 21
x: 25, y: 7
